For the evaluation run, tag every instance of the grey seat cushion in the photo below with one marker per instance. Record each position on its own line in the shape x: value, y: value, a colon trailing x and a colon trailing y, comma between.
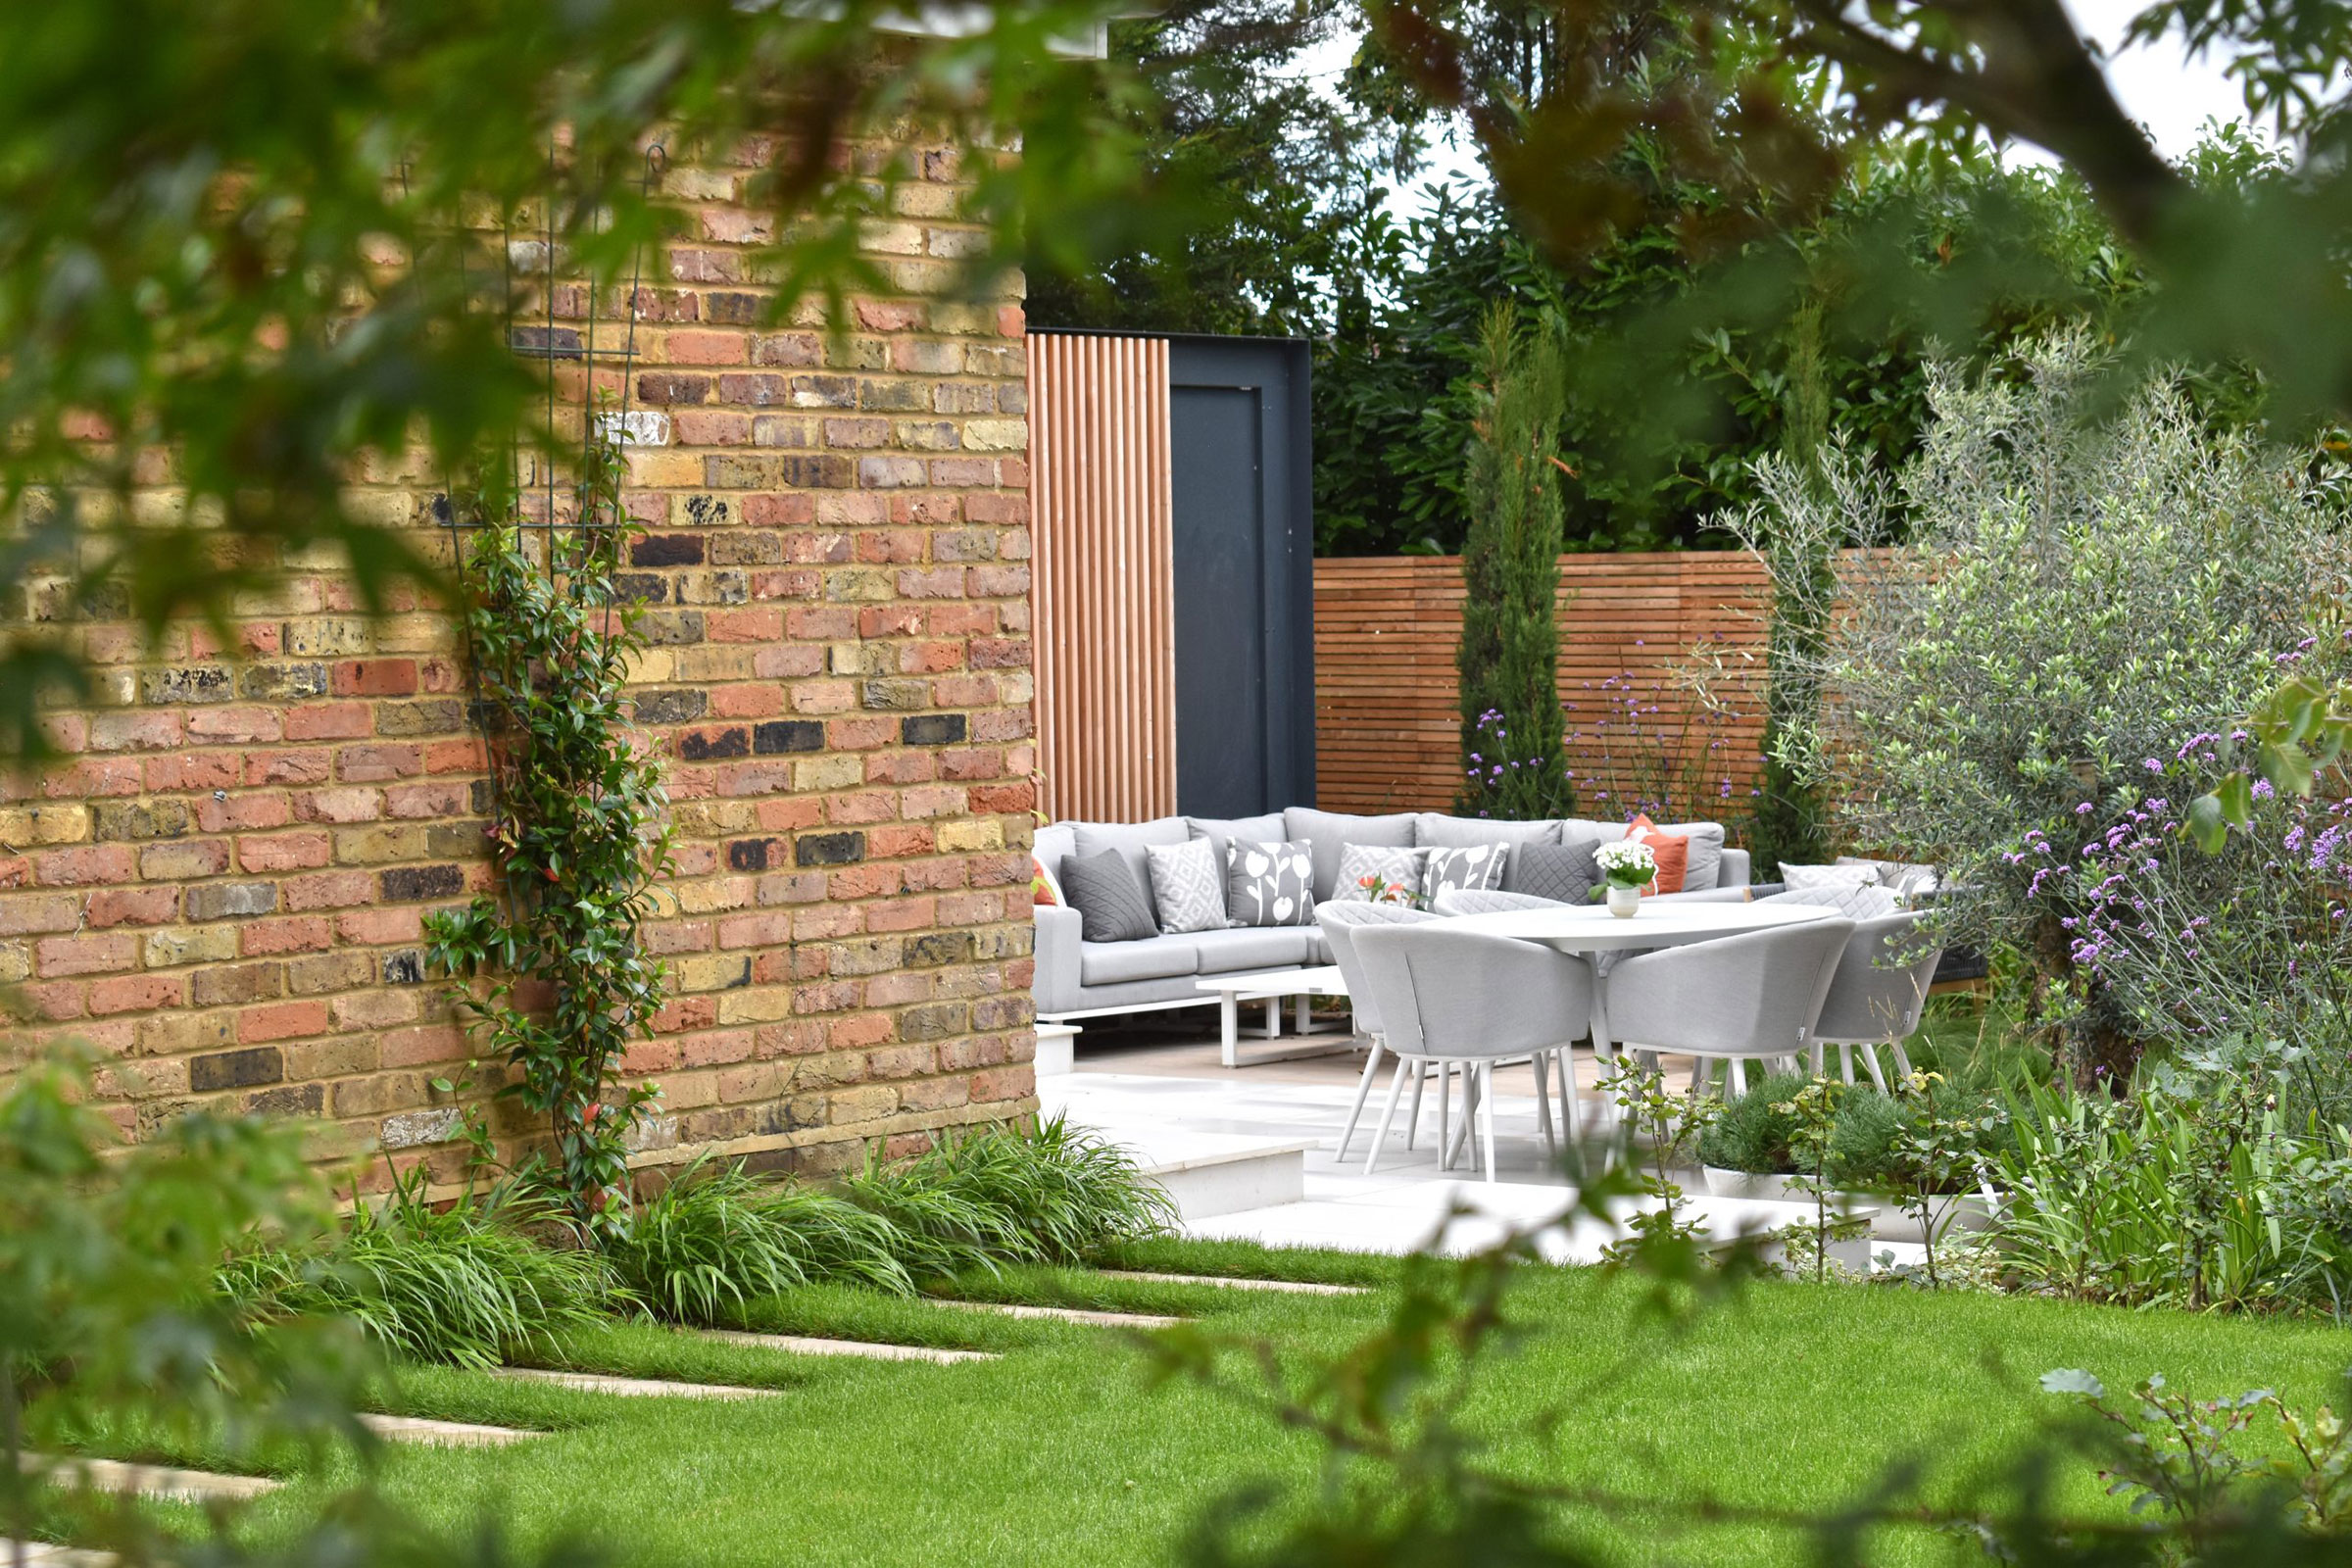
x: 1110, y: 963
x: 1326, y: 833
x: 1113, y: 902
x: 1252, y: 948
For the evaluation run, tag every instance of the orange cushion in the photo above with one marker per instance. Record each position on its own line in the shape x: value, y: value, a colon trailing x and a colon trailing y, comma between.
x: 1671, y: 850
x: 1042, y: 886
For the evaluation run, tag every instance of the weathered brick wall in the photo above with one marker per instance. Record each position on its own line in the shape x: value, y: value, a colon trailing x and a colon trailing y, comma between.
x: 224, y: 890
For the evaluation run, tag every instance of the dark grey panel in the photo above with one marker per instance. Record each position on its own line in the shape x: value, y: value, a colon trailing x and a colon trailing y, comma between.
x: 1221, y: 765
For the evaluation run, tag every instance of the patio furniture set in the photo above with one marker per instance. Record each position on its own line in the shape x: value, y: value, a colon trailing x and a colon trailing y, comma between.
x: 1455, y: 965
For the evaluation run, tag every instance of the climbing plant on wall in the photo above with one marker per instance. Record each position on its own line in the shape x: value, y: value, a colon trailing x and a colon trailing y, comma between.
x: 579, y: 833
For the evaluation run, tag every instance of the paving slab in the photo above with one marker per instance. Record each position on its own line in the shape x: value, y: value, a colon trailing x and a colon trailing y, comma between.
x: 49, y: 1554
x: 146, y: 1480
x: 865, y: 1349
x: 1064, y: 1315
x: 444, y: 1434
x: 631, y: 1388
x: 1234, y: 1282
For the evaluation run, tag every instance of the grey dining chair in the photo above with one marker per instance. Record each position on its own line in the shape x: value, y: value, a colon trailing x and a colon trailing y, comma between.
x: 1755, y: 997
x: 1340, y: 920
x: 1472, y: 1001
x: 1877, y: 995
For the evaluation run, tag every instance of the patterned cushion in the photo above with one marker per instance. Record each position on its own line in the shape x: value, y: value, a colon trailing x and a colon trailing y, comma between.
x: 1112, y: 904
x: 1269, y: 884
x: 1567, y: 872
x: 1474, y: 869
x: 1186, y: 887
x: 1861, y: 874
x: 1856, y: 901
x: 1399, y: 868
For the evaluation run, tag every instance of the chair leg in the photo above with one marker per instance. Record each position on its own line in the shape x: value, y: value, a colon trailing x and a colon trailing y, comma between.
x: 1486, y: 1109
x: 1870, y: 1061
x: 1572, y: 1110
x: 1412, y: 1118
x: 1387, y: 1113
x: 1363, y: 1087
x: 1734, y: 1078
x: 1902, y: 1058
x: 1540, y: 1064
x: 1444, y: 1115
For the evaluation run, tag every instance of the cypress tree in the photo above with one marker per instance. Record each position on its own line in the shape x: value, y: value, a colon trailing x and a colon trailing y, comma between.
x: 1508, y: 658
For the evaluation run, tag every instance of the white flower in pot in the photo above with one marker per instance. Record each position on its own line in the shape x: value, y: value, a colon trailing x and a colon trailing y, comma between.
x: 1627, y: 866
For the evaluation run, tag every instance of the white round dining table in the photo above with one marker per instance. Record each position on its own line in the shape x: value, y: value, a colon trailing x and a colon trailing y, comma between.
x: 1594, y: 931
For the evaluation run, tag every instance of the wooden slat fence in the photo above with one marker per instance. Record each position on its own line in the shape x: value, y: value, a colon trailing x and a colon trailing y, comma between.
x: 1387, y: 729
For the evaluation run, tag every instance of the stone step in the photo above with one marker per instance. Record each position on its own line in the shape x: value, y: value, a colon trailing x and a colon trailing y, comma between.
x: 1064, y: 1315
x: 1205, y: 1174
x: 444, y: 1434
x: 49, y: 1554
x: 1234, y: 1281
x: 632, y: 1388
x: 145, y: 1480
x: 802, y: 1345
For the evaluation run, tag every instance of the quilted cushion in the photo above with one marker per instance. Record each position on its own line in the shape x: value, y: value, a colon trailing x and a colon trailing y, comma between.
x: 1856, y: 901
x: 1566, y: 873
x: 1130, y: 840
x: 1111, y: 901
x: 1399, y: 869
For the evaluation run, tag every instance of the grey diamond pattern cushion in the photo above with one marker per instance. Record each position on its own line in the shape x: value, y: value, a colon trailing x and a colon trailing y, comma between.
x: 1269, y: 884
x: 1397, y: 868
x: 1187, y: 886
x: 1478, y: 869
x: 1856, y: 901
x: 1112, y: 904
x: 1567, y: 872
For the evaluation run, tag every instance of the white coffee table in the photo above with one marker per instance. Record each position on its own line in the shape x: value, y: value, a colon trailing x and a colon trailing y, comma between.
x: 1271, y: 986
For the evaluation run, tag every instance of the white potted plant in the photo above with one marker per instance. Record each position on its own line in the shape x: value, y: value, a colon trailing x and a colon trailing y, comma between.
x: 1627, y: 866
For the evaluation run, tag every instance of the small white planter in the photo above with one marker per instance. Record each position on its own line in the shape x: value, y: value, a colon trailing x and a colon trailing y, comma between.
x: 1624, y: 903
x: 1772, y: 1188
x: 1971, y: 1211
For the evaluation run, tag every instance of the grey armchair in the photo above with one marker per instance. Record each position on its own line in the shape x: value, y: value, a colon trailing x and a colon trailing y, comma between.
x: 1457, y: 996
x: 1877, y: 995
x: 1749, y: 997
x: 1339, y: 921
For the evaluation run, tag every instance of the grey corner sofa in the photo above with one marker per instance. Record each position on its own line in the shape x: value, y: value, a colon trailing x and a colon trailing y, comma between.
x: 1077, y: 979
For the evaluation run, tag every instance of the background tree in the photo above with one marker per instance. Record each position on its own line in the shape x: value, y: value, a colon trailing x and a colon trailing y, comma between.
x: 1509, y: 652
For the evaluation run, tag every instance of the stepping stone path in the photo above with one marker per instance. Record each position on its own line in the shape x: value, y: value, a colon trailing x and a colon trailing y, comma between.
x: 49, y: 1554
x: 444, y: 1434
x: 146, y: 1480
x: 634, y: 1388
x: 798, y: 1345
x: 1063, y: 1315
x: 1234, y: 1282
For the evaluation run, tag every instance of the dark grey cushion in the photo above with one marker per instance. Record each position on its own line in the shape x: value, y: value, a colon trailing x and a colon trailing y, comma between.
x: 1129, y: 839
x: 1267, y: 884
x: 1109, y: 898
x: 1567, y: 872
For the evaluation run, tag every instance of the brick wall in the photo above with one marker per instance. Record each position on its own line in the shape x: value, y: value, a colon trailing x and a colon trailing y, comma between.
x: 223, y: 891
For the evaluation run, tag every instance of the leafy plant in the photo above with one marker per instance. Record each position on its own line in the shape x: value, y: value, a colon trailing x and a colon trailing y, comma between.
x: 1753, y: 1133
x: 1509, y: 652
x: 579, y: 833
x: 1646, y: 1111
x: 473, y: 1283
x: 715, y: 1238
x: 1045, y: 1194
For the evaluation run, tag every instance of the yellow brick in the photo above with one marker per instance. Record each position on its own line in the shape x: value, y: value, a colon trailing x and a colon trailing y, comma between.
x: 22, y: 827
x: 981, y: 833
x: 828, y: 773
x: 663, y: 471
x: 996, y: 436
x: 710, y: 896
x: 756, y: 1007
x: 714, y: 972
x: 374, y: 846
x: 849, y: 1106
x: 168, y: 949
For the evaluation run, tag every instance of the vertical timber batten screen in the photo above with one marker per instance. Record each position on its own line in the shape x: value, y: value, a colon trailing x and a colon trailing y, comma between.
x: 1104, y: 562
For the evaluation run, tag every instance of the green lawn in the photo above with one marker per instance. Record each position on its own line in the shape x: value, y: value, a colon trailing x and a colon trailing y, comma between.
x: 1061, y: 1453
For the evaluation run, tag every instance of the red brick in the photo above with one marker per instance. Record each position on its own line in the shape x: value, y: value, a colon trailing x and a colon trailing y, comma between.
x: 329, y: 722
x: 280, y: 1021
x: 132, y: 906
x: 259, y: 939
x: 85, y: 866
x: 379, y: 927
x: 284, y: 852
x: 136, y: 992
x: 374, y: 678
x: 57, y: 957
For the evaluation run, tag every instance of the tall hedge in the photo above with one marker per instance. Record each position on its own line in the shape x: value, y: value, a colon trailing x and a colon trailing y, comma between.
x: 1509, y: 652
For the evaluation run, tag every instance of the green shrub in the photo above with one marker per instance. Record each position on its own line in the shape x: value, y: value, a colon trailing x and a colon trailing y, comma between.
x: 1863, y: 1145
x: 1749, y: 1135
x: 470, y: 1284
x: 714, y: 1239
x: 1047, y: 1194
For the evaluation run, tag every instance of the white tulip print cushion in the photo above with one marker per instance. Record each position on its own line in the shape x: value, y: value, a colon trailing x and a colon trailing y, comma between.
x: 1269, y: 884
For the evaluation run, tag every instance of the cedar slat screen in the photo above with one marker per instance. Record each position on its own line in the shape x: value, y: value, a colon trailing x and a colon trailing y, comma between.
x: 1103, y: 576
x: 1386, y: 732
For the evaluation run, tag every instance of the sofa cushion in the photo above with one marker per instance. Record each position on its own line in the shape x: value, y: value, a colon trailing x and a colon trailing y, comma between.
x: 1223, y: 830
x: 1398, y: 870
x: 1267, y: 884
x: 1110, y: 963
x: 1252, y: 948
x: 1188, y: 886
x: 1329, y: 832
x: 1703, y: 869
x: 1109, y: 898
x: 1437, y: 830
x: 1129, y: 839
x: 1566, y: 873
x: 1473, y: 868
